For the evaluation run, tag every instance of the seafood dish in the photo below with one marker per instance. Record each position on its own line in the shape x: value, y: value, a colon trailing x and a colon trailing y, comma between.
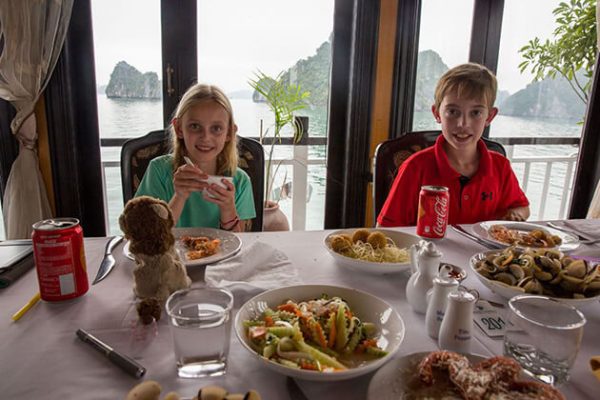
x: 198, y: 247
x: 540, y: 271
x: 493, y: 378
x: 533, y: 238
x: 321, y: 335
x: 366, y: 245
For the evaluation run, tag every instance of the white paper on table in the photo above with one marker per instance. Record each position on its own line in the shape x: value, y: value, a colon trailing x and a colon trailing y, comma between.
x: 257, y: 268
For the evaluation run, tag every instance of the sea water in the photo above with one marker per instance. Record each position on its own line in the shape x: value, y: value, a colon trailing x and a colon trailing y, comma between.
x: 201, y: 339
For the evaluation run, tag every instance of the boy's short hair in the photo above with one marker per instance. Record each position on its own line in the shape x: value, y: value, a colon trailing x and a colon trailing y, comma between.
x: 227, y: 160
x: 469, y: 80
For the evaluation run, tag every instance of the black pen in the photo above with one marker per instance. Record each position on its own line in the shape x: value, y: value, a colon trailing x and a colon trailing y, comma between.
x: 127, y: 364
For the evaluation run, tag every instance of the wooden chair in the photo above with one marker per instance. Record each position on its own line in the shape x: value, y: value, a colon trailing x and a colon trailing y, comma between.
x: 137, y: 153
x: 389, y: 155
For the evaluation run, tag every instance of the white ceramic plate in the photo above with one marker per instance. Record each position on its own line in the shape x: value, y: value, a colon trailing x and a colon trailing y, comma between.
x: 569, y: 242
x: 508, y: 292
x: 399, y: 379
x: 230, y: 245
x: 401, y: 239
x: 367, y: 307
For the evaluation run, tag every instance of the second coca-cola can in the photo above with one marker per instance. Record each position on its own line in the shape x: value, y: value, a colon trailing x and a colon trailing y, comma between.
x: 434, y: 207
x: 59, y: 259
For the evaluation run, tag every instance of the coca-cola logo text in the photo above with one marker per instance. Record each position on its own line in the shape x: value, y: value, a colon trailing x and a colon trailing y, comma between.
x: 441, y: 215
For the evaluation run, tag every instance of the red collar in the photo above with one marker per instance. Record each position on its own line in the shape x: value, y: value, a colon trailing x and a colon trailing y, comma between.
x: 445, y: 169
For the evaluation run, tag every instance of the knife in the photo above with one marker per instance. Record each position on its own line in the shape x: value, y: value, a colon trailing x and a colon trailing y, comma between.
x: 108, y: 262
x: 481, y: 241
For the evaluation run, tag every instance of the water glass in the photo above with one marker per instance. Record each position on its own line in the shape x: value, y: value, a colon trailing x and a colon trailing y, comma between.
x: 200, y: 320
x: 544, y: 336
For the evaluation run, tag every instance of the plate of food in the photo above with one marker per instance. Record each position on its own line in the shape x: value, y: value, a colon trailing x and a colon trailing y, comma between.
x: 319, y: 332
x: 525, y: 235
x: 569, y: 278
x: 378, y: 251
x: 201, y: 246
x: 448, y: 375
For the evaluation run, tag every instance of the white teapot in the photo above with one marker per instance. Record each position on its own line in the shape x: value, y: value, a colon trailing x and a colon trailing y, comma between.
x: 425, y: 262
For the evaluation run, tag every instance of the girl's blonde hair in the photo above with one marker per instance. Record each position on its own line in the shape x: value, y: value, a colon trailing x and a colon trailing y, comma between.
x: 470, y: 80
x: 227, y: 160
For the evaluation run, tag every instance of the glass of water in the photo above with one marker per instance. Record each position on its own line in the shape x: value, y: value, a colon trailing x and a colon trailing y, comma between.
x: 200, y: 320
x: 544, y: 336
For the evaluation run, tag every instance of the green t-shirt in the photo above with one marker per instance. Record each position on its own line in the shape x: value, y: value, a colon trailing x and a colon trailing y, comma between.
x: 197, y: 212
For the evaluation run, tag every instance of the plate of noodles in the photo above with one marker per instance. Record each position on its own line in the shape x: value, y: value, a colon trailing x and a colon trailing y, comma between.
x: 378, y: 251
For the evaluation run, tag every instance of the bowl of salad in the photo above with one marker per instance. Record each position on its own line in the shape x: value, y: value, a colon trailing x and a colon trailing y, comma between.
x: 319, y: 332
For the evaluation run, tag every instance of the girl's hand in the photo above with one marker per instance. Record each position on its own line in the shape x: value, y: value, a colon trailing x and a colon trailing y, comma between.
x: 188, y: 179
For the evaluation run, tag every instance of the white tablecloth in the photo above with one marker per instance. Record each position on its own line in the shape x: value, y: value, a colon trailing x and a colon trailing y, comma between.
x: 40, y: 357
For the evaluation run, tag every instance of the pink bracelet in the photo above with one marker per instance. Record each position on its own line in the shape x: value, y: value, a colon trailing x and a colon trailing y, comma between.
x: 232, y: 224
x: 230, y: 221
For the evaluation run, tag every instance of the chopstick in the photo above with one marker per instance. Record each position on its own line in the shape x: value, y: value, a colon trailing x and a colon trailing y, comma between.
x: 16, y: 316
x: 188, y: 161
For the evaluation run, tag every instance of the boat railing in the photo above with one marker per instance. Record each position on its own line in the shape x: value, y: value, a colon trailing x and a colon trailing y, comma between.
x: 538, y: 191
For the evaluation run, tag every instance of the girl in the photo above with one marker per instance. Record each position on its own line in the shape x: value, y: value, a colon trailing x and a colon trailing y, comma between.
x: 203, y: 130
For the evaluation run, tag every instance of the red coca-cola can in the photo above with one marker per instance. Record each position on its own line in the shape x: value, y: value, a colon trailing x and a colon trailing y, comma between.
x: 434, y: 206
x: 60, y: 259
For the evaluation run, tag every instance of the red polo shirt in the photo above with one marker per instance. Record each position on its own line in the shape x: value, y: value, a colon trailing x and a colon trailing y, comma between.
x: 486, y: 196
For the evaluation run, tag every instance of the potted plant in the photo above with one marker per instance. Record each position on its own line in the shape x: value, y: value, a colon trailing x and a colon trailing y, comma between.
x: 283, y: 99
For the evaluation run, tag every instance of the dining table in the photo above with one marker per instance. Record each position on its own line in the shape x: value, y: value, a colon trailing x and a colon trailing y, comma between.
x: 42, y: 358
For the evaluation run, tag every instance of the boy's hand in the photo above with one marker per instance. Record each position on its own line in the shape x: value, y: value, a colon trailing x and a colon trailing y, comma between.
x: 516, y: 214
x: 188, y: 179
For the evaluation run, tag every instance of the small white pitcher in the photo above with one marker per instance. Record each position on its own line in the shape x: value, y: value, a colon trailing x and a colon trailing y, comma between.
x: 425, y: 262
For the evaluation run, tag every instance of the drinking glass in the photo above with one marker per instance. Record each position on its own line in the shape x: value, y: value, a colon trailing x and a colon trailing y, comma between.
x: 200, y: 320
x: 544, y: 336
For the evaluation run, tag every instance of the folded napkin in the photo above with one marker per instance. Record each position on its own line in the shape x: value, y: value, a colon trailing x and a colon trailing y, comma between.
x: 590, y: 228
x: 258, y: 267
x: 595, y: 365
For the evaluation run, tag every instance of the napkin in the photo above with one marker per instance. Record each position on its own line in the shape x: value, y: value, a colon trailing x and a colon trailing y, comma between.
x: 257, y: 268
x: 589, y: 228
x: 595, y: 366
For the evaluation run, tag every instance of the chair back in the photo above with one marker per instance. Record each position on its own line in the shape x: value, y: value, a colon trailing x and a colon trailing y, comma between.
x: 389, y: 155
x: 137, y: 153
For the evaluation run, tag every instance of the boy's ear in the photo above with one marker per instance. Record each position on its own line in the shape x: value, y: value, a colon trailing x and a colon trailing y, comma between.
x: 177, y: 128
x: 436, y: 114
x: 491, y: 115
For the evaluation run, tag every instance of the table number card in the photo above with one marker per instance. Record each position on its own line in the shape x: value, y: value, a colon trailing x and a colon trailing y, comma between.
x: 489, y: 320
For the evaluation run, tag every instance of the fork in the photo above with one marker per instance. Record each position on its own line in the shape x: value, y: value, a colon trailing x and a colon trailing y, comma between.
x: 257, y: 308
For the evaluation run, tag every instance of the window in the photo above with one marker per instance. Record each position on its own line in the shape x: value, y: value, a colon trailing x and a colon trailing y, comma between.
x: 443, y: 43
x: 541, y: 109
x: 277, y: 36
x: 127, y: 43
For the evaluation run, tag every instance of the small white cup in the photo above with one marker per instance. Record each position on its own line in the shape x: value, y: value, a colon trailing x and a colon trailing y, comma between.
x: 216, y: 179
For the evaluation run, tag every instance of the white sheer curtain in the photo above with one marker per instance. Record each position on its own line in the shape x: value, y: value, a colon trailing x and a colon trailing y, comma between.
x: 33, y: 32
x: 594, y: 210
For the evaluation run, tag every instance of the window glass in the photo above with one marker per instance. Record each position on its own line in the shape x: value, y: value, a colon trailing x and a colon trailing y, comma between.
x: 127, y: 52
x: 273, y: 36
x: 443, y: 43
x: 535, y: 109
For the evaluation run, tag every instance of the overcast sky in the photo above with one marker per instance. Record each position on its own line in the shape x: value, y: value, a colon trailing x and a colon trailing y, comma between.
x: 236, y: 37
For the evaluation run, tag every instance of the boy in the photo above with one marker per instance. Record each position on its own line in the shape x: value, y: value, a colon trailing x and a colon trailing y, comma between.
x: 481, y: 183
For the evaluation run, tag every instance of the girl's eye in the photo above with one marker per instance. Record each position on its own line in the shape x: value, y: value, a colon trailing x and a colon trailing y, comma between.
x: 217, y: 129
x: 194, y: 126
